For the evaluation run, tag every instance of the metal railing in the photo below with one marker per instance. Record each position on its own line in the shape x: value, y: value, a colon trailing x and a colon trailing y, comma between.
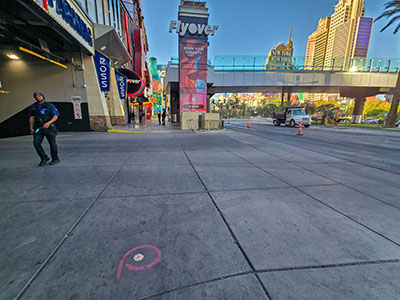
x: 175, y: 61
x: 297, y: 63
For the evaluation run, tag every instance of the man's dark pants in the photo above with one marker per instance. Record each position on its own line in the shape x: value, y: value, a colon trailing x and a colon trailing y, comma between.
x: 51, y: 138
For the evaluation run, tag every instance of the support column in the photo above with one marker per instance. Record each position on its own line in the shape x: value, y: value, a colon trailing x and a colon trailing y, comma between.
x: 358, y: 110
x: 208, y: 103
x: 285, y: 96
x: 117, y: 113
x: 288, y: 96
x: 394, y: 105
x: 98, y: 113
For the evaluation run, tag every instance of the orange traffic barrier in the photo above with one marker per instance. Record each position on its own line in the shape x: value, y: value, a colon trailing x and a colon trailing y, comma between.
x: 300, y: 131
x: 248, y: 123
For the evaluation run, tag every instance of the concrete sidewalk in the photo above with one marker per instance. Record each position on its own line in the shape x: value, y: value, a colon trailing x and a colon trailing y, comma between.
x: 194, y: 215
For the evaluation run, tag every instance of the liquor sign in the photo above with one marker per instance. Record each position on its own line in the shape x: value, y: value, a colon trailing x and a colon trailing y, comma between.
x: 122, y: 84
x: 162, y: 70
x: 70, y: 17
x: 103, y: 66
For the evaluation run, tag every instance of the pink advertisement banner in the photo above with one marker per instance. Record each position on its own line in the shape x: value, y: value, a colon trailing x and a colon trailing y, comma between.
x: 193, y: 75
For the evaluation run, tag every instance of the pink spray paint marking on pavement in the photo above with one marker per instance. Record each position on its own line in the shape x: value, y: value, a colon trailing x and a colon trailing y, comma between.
x: 138, y: 268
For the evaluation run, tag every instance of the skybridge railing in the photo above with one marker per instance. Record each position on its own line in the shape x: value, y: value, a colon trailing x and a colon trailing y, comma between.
x: 297, y: 63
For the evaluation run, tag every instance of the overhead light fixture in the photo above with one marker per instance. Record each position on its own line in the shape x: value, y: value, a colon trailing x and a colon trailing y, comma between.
x: 102, y: 48
x: 12, y: 56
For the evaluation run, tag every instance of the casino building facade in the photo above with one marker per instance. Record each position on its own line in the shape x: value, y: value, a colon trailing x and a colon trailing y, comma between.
x: 79, y: 54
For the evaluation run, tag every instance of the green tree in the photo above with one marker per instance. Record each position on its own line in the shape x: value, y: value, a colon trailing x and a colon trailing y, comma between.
x: 392, y: 11
x: 310, y: 108
x: 285, y: 104
x: 271, y: 109
x: 327, y: 110
x: 375, y: 108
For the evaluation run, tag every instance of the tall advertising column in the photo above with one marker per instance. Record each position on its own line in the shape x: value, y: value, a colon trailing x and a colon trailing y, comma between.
x: 193, y: 30
x: 193, y: 66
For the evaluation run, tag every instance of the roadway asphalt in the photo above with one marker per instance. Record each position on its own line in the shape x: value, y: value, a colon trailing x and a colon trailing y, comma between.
x: 255, y: 213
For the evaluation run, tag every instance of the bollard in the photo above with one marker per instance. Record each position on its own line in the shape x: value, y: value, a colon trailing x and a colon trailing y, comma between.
x: 300, y: 131
x: 248, y: 123
x: 229, y: 121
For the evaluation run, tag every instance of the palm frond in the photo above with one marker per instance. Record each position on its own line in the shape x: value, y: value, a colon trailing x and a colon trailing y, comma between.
x: 397, y: 30
x: 393, y: 3
x: 383, y: 15
x: 389, y: 13
x: 391, y: 22
x: 392, y: 10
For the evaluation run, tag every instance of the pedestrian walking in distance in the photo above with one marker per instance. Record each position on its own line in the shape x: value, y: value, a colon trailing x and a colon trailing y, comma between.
x: 143, y: 119
x: 140, y: 117
x: 133, y: 117
x: 42, y: 116
x: 159, y: 117
x: 163, y: 116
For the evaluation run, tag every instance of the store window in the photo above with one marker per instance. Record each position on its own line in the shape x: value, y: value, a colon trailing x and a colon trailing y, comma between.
x: 100, y: 12
x: 118, y: 17
x: 115, y: 10
x: 106, y: 12
x: 111, y: 12
x: 92, y: 10
x: 120, y: 21
x: 83, y: 4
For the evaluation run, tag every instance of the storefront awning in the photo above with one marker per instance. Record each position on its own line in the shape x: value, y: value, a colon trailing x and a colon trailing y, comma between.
x: 136, y: 84
x: 109, y: 43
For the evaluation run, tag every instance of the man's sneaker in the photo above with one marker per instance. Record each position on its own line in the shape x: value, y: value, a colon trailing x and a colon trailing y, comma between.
x: 44, y: 161
x: 54, y: 162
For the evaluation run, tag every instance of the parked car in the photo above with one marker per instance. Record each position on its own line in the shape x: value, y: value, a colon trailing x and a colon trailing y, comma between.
x: 370, y: 121
x: 344, y: 121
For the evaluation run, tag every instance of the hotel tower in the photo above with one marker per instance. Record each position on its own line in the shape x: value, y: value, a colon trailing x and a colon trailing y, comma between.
x: 349, y: 34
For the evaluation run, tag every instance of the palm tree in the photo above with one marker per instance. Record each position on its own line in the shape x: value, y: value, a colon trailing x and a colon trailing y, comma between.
x: 392, y: 10
x: 327, y: 111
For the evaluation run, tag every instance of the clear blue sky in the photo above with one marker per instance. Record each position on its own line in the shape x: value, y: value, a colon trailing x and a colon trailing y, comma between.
x: 254, y: 27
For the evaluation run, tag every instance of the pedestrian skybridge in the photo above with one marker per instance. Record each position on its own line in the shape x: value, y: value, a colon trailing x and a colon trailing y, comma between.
x: 361, y: 77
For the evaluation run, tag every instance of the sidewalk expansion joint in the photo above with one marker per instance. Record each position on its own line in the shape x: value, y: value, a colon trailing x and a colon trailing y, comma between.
x: 361, y: 263
x: 260, y: 135
x: 315, y: 199
x: 199, y: 283
x: 152, y: 195
x: 69, y: 232
x: 234, y: 238
x: 302, y: 167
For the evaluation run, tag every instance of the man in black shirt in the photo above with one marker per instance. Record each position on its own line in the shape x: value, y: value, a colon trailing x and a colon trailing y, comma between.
x: 41, y: 121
